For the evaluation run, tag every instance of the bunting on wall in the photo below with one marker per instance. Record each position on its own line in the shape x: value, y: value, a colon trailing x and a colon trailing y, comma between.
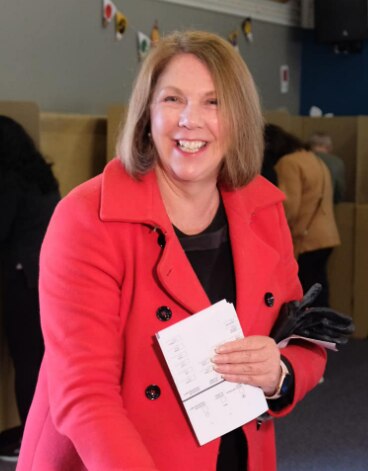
x: 247, y: 29
x: 155, y: 34
x: 144, y: 45
x: 108, y: 12
x: 121, y: 24
x: 233, y: 39
x: 145, y: 42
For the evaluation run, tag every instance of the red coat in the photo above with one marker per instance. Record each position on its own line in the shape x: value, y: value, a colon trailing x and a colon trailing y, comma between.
x: 103, y: 277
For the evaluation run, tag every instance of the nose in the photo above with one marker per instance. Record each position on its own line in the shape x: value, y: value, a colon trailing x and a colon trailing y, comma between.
x: 190, y: 117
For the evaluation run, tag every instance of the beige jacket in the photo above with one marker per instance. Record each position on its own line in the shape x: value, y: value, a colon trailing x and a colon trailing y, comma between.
x: 306, y: 182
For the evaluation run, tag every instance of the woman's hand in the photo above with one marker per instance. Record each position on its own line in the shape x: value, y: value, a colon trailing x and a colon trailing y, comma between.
x: 253, y: 360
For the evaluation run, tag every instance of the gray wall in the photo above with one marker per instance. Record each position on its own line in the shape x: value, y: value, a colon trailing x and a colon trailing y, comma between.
x: 56, y: 53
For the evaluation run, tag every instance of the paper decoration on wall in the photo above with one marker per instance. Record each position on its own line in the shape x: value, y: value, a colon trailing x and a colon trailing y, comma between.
x: 144, y: 45
x: 155, y: 34
x: 233, y: 39
x: 248, y: 29
x: 121, y: 24
x: 109, y: 11
x: 284, y: 78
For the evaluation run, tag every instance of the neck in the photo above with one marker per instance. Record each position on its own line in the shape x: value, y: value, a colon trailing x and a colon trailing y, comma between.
x: 191, y: 207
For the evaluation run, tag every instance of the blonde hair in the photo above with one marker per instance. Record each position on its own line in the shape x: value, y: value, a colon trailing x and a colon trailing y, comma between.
x: 238, y: 104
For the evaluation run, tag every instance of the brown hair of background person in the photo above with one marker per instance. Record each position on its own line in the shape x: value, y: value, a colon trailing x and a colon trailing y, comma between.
x: 306, y: 182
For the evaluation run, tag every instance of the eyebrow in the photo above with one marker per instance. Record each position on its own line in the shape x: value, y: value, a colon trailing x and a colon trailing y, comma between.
x: 178, y: 90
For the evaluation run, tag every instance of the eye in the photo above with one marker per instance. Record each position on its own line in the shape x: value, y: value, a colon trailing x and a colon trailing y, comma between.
x: 212, y: 101
x: 171, y: 99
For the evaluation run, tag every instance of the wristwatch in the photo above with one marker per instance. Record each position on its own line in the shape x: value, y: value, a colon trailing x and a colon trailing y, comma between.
x: 284, y: 383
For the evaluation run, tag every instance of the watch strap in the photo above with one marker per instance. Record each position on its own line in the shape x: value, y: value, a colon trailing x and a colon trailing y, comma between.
x: 279, y: 390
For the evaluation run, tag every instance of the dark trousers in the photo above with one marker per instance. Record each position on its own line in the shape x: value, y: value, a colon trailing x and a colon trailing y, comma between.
x: 313, y: 269
x: 23, y: 334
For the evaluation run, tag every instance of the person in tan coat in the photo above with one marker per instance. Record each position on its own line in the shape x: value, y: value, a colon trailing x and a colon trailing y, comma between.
x: 306, y: 182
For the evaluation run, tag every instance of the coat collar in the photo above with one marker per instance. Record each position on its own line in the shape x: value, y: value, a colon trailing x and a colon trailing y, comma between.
x: 125, y: 199
x: 129, y: 200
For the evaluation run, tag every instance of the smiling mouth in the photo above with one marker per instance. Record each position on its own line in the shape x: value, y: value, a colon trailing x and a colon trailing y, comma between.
x: 191, y: 146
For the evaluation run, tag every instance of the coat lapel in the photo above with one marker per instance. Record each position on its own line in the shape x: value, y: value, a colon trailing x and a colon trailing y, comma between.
x: 178, y: 277
x: 145, y: 206
x: 254, y: 260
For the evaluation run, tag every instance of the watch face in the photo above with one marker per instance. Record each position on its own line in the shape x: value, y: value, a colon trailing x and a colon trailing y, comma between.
x: 286, y: 384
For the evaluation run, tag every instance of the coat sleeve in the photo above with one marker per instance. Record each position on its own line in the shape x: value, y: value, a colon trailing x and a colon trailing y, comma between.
x: 81, y: 283
x: 307, y: 359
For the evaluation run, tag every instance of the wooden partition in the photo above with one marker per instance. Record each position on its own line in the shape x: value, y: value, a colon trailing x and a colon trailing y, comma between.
x: 290, y: 123
x: 75, y: 145
x: 25, y: 113
x: 341, y: 263
x: 361, y: 271
x: 361, y: 194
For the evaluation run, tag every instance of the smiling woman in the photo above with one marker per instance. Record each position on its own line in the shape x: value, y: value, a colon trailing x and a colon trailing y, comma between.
x: 230, y: 84
x: 186, y: 128
x: 181, y: 219
x: 188, y: 133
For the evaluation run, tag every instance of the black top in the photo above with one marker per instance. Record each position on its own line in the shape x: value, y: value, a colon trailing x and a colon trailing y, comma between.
x: 209, y: 253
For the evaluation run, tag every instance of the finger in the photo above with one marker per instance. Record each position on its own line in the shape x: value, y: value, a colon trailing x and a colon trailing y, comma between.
x: 233, y: 346
x: 252, y: 369
x: 242, y: 379
x: 254, y: 342
x: 245, y: 356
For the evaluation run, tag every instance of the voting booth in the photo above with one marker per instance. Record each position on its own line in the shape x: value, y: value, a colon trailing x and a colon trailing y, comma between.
x: 75, y: 145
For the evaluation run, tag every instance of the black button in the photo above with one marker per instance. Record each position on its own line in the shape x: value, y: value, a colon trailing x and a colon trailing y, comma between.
x: 269, y: 299
x: 164, y: 313
x: 161, y: 240
x: 152, y: 392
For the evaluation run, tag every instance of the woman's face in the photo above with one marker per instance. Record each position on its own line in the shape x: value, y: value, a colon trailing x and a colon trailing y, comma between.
x: 186, y: 125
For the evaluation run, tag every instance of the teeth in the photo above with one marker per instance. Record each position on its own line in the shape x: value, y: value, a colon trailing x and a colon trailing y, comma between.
x: 191, y: 146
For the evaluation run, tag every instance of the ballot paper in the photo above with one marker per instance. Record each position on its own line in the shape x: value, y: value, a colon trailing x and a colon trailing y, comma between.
x: 322, y: 343
x: 214, y: 406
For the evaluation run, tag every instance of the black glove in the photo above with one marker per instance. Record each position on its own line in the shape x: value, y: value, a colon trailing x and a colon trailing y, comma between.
x: 320, y: 323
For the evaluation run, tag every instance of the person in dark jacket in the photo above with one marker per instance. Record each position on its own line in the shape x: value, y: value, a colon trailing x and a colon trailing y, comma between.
x: 28, y: 195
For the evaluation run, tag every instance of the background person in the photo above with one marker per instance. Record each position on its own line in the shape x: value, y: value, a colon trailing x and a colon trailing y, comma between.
x: 28, y: 196
x: 180, y: 220
x: 306, y: 182
x: 321, y: 144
